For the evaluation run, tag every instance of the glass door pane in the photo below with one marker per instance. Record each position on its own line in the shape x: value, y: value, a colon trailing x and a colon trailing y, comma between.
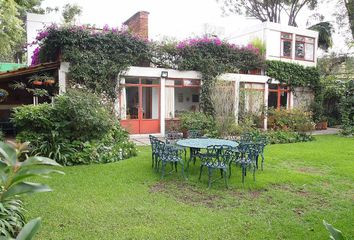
x: 150, y: 103
x: 132, y: 102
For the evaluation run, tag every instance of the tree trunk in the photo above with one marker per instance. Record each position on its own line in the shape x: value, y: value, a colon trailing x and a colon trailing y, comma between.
x: 349, y: 4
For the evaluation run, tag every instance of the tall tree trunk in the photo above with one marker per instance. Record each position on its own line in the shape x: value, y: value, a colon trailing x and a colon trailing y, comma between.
x: 349, y: 4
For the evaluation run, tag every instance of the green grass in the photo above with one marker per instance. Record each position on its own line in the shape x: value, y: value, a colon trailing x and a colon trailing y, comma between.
x: 302, y: 184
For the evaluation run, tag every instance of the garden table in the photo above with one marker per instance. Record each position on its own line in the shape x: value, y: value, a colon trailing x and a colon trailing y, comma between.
x: 203, y: 143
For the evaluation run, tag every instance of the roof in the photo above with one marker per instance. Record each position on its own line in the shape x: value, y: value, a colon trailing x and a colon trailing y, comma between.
x: 30, y: 70
x: 10, y: 66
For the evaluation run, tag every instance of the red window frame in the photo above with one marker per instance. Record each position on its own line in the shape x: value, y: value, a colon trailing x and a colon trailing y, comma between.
x: 282, y: 39
x: 279, y: 90
x: 304, y: 42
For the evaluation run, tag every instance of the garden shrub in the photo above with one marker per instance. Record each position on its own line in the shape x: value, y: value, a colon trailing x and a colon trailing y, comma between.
x: 198, y: 121
x: 296, y: 120
x: 75, y: 129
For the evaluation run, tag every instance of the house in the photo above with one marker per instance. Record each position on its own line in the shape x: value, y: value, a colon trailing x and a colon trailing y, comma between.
x: 151, y: 99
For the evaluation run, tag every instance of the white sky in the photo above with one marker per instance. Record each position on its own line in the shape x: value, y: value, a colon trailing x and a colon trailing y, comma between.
x: 174, y: 18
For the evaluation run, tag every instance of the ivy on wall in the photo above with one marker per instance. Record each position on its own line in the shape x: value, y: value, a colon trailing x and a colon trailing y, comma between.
x: 96, y: 57
x: 294, y: 75
x: 212, y: 57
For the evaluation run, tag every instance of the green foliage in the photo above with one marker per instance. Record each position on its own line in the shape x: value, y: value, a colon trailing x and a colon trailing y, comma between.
x: 294, y: 75
x: 198, y: 121
x: 29, y: 230
x: 213, y: 57
x: 15, y: 168
x: 76, y: 129
x: 76, y: 115
x: 70, y: 12
x: 335, y: 234
x: 96, y: 58
x: 347, y: 109
x: 260, y: 45
x: 296, y: 120
x: 324, y: 30
x: 11, y: 26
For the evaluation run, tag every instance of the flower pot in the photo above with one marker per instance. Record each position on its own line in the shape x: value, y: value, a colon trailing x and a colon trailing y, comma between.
x: 49, y: 82
x: 324, y: 125
x: 37, y: 83
x: 318, y: 126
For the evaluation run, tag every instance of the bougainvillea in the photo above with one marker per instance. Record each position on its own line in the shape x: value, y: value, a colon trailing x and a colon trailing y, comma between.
x: 212, y: 57
x: 97, y: 57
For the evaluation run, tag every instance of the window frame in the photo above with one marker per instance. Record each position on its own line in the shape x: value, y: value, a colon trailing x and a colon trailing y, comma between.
x: 304, y: 42
x: 282, y: 40
x: 279, y: 90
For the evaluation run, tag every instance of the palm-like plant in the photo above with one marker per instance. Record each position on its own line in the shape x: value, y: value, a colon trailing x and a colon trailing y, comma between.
x: 324, y: 30
x: 13, y: 173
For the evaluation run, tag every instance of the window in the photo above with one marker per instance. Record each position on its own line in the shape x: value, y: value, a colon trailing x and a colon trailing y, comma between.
x: 304, y: 48
x: 286, y: 42
x: 278, y: 96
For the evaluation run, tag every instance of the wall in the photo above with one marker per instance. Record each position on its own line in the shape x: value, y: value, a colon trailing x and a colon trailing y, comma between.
x: 302, y: 98
x: 270, y: 33
x: 34, y: 24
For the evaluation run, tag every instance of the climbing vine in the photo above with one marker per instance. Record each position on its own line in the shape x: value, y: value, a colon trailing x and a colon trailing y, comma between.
x: 212, y: 57
x: 96, y: 56
x: 294, y: 75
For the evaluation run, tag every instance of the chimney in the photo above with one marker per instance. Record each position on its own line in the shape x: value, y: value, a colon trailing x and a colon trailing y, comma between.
x: 138, y: 24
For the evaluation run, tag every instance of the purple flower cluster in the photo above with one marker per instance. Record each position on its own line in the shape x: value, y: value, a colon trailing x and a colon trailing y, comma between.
x: 197, y: 41
x: 205, y: 40
x: 35, y: 57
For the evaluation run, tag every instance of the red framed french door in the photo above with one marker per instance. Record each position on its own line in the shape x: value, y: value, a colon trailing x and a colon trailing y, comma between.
x: 142, y: 106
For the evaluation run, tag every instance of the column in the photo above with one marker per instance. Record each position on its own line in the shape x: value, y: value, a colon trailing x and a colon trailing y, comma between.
x: 266, y: 92
x: 162, y: 105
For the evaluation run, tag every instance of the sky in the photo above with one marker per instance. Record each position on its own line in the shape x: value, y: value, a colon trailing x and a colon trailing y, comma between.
x: 178, y: 19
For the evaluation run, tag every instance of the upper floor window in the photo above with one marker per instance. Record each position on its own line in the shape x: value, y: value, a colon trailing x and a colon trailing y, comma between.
x: 286, y: 42
x: 304, y: 48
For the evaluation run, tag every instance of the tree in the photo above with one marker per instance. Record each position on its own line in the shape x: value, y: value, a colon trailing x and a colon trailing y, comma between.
x: 70, y: 12
x: 268, y: 10
x: 12, y: 32
x: 11, y: 27
x: 349, y: 5
x: 324, y: 30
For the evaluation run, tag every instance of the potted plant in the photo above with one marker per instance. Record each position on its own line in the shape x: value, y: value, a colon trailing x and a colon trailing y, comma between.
x: 3, y: 94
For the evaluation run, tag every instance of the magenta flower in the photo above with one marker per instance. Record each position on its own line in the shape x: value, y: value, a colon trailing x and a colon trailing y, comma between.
x: 35, y: 57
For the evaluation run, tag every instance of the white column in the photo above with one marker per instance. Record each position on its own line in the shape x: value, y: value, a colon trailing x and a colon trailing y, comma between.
x: 237, y: 99
x: 63, y: 70
x: 266, y: 92
x: 162, y: 106
x: 291, y: 100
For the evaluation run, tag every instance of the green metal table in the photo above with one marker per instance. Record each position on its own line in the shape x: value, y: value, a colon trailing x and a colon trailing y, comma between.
x: 195, y: 144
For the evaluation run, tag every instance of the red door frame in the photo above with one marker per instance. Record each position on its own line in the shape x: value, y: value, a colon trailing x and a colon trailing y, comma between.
x: 141, y: 125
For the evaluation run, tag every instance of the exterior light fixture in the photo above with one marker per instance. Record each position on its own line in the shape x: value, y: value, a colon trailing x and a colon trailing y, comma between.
x: 269, y: 81
x: 164, y: 74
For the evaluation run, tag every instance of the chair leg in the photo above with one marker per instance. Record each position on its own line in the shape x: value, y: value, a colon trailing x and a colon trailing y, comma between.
x: 221, y: 173
x: 176, y: 166
x: 209, y: 177
x: 254, y: 173
x: 182, y: 166
x: 230, y: 164
x: 243, y: 175
x: 152, y: 160
x: 163, y: 170
x: 225, y: 178
x: 262, y: 161
x: 200, y: 172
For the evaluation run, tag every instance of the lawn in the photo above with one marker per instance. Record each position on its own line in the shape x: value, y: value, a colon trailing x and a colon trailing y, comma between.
x: 302, y: 184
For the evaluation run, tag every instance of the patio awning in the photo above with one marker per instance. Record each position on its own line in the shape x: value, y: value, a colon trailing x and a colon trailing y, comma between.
x: 30, y: 70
